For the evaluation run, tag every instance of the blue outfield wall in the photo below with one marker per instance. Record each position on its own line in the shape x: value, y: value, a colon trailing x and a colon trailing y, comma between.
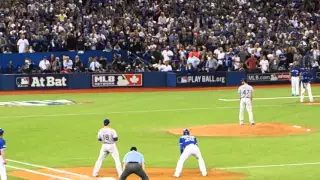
x: 136, y: 80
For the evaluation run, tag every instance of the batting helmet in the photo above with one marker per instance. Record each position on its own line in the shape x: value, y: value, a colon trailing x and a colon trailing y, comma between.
x: 1, y: 131
x: 186, y: 132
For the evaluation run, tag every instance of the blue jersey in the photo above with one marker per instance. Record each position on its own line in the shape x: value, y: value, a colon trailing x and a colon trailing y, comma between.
x: 187, y: 140
x: 294, y: 72
x: 306, y: 77
x: 2, y: 145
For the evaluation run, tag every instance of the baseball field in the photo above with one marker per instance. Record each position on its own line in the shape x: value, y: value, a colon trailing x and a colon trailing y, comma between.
x: 53, y: 135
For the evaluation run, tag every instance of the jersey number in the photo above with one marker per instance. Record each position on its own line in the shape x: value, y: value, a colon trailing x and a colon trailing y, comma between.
x: 106, y: 137
x: 187, y: 139
x: 245, y: 92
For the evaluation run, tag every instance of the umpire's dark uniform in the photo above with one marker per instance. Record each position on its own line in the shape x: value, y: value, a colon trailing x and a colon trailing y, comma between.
x: 133, y: 164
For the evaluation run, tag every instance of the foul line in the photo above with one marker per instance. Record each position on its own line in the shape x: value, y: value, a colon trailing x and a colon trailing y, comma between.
x: 48, y: 168
x: 138, y: 111
x: 271, y: 98
x: 270, y: 166
x: 39, y: 173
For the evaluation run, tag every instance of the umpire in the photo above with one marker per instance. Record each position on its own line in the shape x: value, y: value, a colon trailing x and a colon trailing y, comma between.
x: 133, y: 163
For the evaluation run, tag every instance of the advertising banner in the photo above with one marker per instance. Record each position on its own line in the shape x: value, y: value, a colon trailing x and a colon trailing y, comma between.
x: 201, y: 79
x: 268, y: 77
x: 116, y: 80
x: 42, y: 81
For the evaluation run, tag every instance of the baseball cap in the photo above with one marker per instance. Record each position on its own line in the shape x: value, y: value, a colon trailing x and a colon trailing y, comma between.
x: 133, y: 149
x: 244, y: 80
x: 1, y: 131
x: 106, y: 122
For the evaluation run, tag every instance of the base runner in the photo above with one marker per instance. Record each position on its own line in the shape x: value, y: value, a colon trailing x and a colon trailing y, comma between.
x: 246, y: 92
x: 306, y: 79
x: 108, y: 137
x: 188, y: 147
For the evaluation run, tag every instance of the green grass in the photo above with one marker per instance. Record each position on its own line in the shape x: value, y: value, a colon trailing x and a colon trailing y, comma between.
x: 69, y: 140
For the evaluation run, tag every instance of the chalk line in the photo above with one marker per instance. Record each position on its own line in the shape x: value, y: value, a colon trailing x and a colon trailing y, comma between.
x: 270, y: 98
x: 48, y: 168
x: 270, y: 166
x: 39, y: 173
x: 137, y: 111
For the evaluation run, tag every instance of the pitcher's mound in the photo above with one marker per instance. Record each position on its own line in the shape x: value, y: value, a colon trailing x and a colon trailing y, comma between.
x: 236, y: 130
x: 153, y: 173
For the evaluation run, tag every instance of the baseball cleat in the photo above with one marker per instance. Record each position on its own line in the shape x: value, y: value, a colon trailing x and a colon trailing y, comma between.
x: 205, y: 174
x: 176, y: 176
x: 252, y: 124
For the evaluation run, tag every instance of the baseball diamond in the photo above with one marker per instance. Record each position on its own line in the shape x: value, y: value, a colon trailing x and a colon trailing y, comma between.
x: 217, y: 136
x: 159, y: 89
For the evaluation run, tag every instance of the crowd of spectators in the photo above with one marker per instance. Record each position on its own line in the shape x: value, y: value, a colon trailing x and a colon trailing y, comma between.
x: 181, y: 35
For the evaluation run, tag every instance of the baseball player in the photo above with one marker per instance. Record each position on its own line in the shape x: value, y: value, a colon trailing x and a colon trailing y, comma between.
x: 108, y: 137
x: 294, y: 73
x: 306, y: 78
x: 189, y: 146
x: 3, y: 173
x: 246, y: 92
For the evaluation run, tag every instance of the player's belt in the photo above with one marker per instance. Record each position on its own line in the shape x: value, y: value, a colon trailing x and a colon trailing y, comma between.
x: 108, y: 143
x: 133, y: 162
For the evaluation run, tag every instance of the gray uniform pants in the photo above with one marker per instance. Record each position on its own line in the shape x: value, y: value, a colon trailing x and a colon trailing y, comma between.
x: 133, y: 168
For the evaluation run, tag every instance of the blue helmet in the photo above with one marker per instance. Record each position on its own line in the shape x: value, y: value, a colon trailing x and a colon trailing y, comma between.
x: 186, y: 132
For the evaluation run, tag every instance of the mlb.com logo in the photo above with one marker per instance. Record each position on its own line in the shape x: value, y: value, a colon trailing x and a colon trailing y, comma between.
x: 23, y: 81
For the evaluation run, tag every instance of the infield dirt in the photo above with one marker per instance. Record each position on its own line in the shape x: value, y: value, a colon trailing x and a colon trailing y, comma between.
x: 236, y: 130
x: 153, y: 173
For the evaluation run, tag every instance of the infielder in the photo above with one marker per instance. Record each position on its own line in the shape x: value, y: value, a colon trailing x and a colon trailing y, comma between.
x: 3, y: 173
x: 295, y: 80
x: 188, y: 147
x: 108, y: 137
x: 306, y: 78
x: 246, y: 92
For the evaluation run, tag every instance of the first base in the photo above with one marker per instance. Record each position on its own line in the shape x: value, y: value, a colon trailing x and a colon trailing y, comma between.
x: 107, y: 178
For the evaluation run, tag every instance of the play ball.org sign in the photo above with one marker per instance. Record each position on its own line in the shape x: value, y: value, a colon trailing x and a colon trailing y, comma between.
x: 42, y: 82
x: 36, y: 103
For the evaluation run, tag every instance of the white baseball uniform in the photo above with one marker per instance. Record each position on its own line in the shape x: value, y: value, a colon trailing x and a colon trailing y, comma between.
x: 246, y: 92
x: 107, y: 135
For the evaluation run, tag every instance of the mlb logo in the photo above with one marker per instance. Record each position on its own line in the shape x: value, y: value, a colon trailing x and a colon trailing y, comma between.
x: 23, y: 81
x: 183, y: 79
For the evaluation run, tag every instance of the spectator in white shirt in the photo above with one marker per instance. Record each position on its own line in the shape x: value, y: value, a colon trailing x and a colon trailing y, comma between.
x: 22, y: 44
x: 236, y: 62
x: 45, y: 65
x: 264, y: 64
x: 166, y: 67
x: 157, y: 65
x: 162, y: 20
x: 167, y: 54
x: 94, y: 66
x: 67, y: 64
